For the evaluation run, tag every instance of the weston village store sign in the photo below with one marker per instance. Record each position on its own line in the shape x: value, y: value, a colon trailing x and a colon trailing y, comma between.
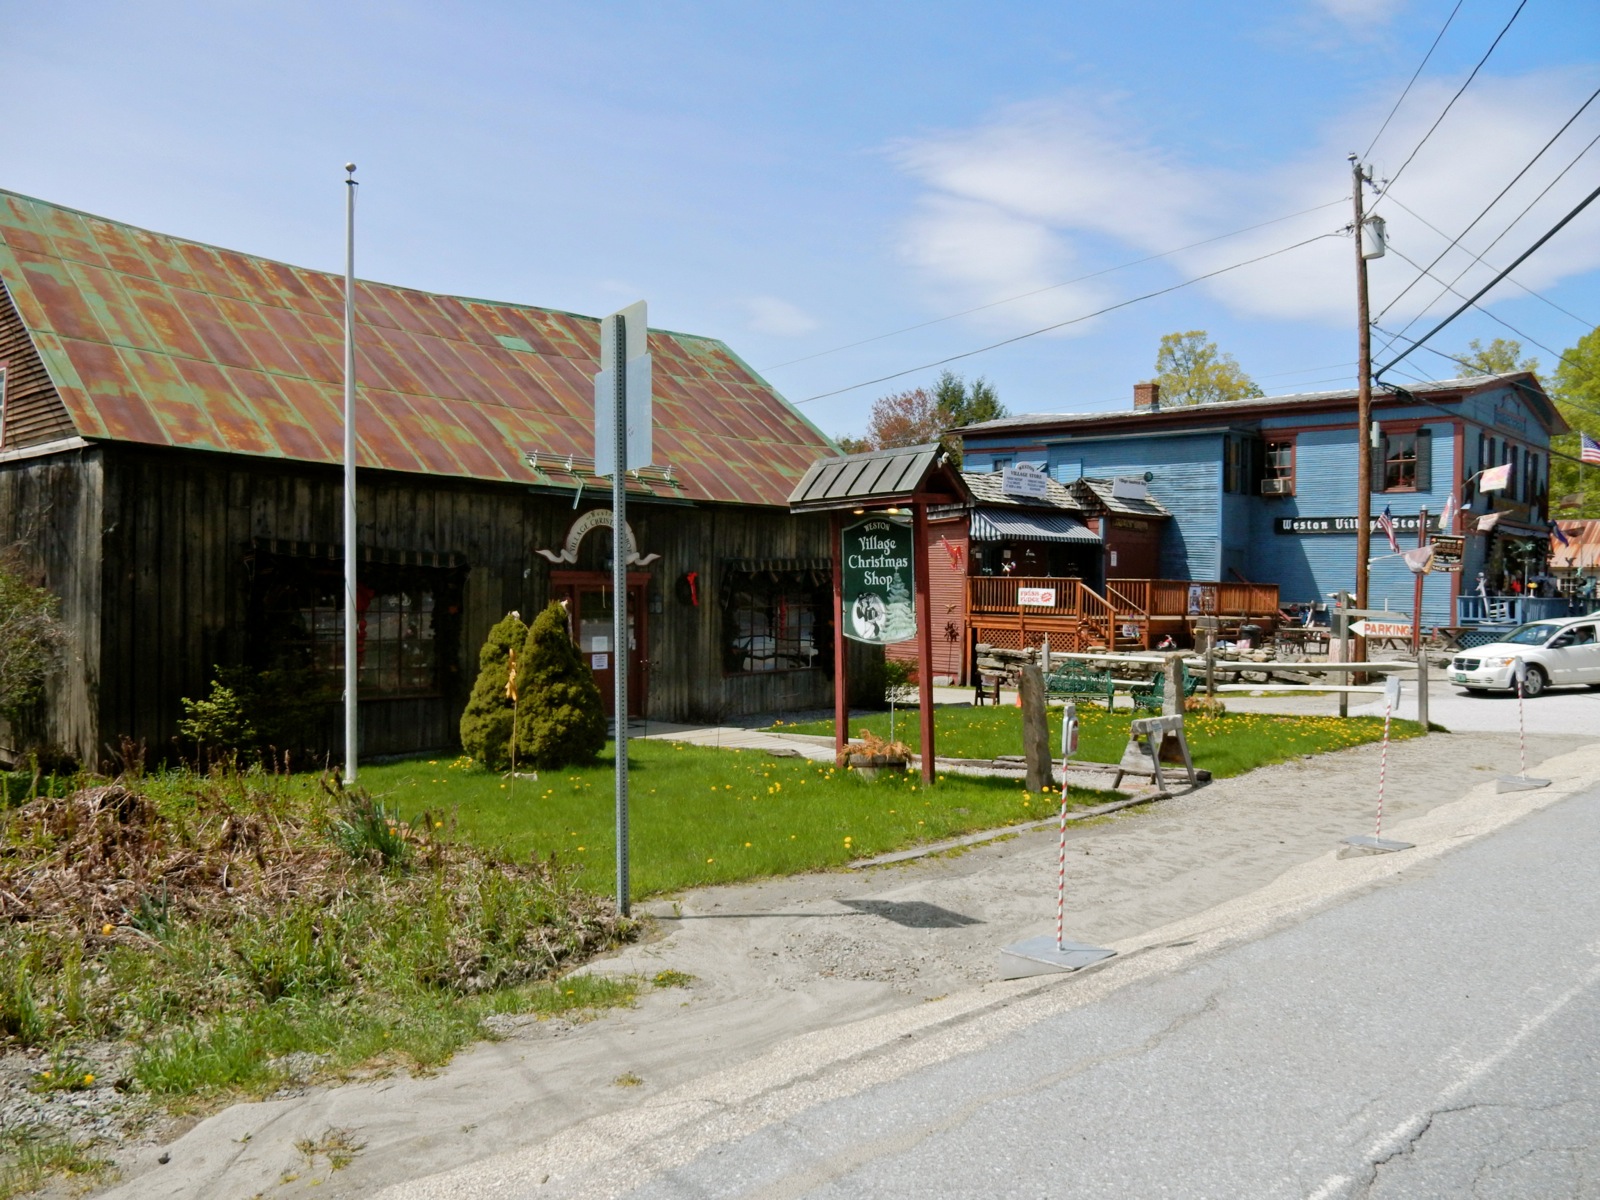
x: 1315, y: 525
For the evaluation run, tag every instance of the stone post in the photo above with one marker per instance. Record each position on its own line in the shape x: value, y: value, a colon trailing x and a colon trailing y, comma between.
x: 1035, y: 730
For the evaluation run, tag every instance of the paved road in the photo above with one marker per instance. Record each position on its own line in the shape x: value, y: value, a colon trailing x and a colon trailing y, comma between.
x: 1438, y: 1036
x: 1435, y: 1035
x: 1574, y: 711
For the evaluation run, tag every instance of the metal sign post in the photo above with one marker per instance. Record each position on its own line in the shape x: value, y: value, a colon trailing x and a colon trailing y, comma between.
x: 1341, y: 619
x: 1377, y: 843
x: 622, y: 442
x: 1043, y: 955
x: 1520, y: 782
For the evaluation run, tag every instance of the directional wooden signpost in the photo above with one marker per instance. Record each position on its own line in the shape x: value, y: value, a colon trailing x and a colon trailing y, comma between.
x: 1382, y: 629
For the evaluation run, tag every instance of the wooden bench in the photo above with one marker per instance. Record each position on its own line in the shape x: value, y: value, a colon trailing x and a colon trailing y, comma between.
x: 1080, y: 682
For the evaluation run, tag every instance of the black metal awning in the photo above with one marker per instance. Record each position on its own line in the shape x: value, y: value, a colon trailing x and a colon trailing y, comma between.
x: 1005, y: 525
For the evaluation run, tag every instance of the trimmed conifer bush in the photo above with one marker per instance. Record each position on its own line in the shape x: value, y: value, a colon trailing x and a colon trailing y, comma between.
x: 486, y: 723
x: 563, y: 719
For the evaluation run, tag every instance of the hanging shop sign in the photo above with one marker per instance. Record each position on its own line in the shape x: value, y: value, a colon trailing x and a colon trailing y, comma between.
x: 598, y: 518
x: 1447, y: 552
x: 879, y: 582
x: 1315, y: 525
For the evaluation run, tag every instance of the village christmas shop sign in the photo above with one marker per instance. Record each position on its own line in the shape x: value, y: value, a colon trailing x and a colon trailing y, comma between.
x: 879, y: 582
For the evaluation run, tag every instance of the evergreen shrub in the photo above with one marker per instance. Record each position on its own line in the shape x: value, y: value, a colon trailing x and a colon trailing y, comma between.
x: 486, y: 723
x: 563, y: 716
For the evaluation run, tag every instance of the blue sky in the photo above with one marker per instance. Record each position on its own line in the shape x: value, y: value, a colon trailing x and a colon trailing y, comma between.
x: 795, y: 178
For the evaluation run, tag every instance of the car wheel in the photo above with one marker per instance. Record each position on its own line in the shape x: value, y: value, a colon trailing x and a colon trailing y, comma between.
x: 1535, y: 682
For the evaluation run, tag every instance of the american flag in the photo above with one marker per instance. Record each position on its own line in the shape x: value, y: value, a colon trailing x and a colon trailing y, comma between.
x: 1386, y: 523
x: 1589, y: 449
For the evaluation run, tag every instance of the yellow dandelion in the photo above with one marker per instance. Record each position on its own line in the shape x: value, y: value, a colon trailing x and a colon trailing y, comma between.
x: 108, y: 929
x: 747, y: 845
x: 87, y: 1080
x: 711, y: 860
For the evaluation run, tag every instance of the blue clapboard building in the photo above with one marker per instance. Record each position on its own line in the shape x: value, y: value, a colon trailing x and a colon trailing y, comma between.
x: 1264, y: 490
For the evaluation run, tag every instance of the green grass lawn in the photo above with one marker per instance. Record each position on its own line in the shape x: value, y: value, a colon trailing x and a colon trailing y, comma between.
x: 1225, y: 745
x: 701, y: 815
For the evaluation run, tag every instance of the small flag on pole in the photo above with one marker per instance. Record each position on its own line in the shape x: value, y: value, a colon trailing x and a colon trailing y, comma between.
x: 1447, y: 519
x: 1588, y: 449
x: 1556, y: 532
x: 1571, y: 500
x: 1495, y: 478
x: 1386, y: 523
x: 1488, y: 521
x: 1420, y: 559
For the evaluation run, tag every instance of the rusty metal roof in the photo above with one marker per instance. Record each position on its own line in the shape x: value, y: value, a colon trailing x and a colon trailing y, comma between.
x: 154, y: 339
x: 875, y: 477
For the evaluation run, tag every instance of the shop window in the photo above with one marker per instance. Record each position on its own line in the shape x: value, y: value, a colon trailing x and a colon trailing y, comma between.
x: 1402, y: 461
x: 774, y: 621
x: 1278, y: 476
x: 405, y: 631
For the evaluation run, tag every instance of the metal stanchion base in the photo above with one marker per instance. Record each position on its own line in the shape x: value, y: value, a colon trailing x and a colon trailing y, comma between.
x: 1041, y: 956
x: 1378, y: 845
x: 1519, y: 783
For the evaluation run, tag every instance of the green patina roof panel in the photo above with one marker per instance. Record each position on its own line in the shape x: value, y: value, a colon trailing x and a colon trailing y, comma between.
x: 155, y: 339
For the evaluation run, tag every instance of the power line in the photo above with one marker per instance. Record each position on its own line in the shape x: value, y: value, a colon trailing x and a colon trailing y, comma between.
x: 1451, y: 289
x: 1413, y: 79
x: 1552, y: 452
x: 1054, y: 286
x: 1520, y: 259
x: 1396, y: 176
x: 1515, y: 179
x: 1483, y: 262
x: 1527, y: 208
x: 1063, y: 324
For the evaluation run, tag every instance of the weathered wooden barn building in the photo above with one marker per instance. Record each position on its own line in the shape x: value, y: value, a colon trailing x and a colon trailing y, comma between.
x: 170, y: 434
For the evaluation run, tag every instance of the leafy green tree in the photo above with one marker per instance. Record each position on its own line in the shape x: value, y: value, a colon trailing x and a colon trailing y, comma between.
x: 1499, y: 357
x: 1192, y: 370
x: 959, y: 403
x: 563, y: 717
x: 918, y: 416
x: 486, y: 723
x: 1576, y: 392
x: 852, y: 445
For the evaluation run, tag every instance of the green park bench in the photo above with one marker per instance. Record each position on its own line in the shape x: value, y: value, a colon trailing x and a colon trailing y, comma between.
x: 1149, y: 696
x: 1074, y: 682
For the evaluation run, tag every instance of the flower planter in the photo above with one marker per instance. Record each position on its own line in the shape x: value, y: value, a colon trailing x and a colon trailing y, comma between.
x: 868, y: 765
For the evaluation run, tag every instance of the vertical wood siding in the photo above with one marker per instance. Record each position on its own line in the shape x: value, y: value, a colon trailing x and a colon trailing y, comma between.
x: 50, y: 517
x: 176, y: 584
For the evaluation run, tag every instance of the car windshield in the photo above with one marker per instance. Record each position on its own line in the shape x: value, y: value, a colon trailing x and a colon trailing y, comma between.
x: 1532, y: 635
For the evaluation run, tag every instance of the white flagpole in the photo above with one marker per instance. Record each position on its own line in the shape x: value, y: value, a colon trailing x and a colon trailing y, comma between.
x: 350, y: 665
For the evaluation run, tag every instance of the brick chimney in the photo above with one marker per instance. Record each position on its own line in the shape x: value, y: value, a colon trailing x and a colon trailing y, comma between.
x: 1147, y: 397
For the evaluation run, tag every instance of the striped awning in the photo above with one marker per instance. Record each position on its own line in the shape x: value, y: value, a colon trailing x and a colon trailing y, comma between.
x: 1005, y: 525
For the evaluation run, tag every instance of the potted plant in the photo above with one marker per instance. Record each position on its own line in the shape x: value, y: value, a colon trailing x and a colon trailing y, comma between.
x: 873, y: 754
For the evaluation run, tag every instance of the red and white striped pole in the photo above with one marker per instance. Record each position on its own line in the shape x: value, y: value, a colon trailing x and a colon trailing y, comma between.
x: 1383, y: 762
x: 1521, y: 672
x: 1069, y: 745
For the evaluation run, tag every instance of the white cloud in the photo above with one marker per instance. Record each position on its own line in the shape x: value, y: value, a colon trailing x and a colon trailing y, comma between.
x: 1045, y: 192
x: 1360, y: 12
x: 768, y: 314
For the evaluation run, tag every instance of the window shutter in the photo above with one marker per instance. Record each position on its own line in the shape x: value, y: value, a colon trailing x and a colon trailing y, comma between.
x: 1380, y: 457
x: 1424, y: 460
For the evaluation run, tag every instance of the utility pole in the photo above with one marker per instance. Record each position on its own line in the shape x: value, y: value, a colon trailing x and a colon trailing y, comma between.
x: 1358, y: 179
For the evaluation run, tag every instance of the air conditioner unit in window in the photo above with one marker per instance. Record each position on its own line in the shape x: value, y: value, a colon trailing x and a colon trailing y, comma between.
x: 1277, y: 487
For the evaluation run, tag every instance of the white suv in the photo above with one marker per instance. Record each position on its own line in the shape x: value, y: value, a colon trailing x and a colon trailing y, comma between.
x: 1557, y: 653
